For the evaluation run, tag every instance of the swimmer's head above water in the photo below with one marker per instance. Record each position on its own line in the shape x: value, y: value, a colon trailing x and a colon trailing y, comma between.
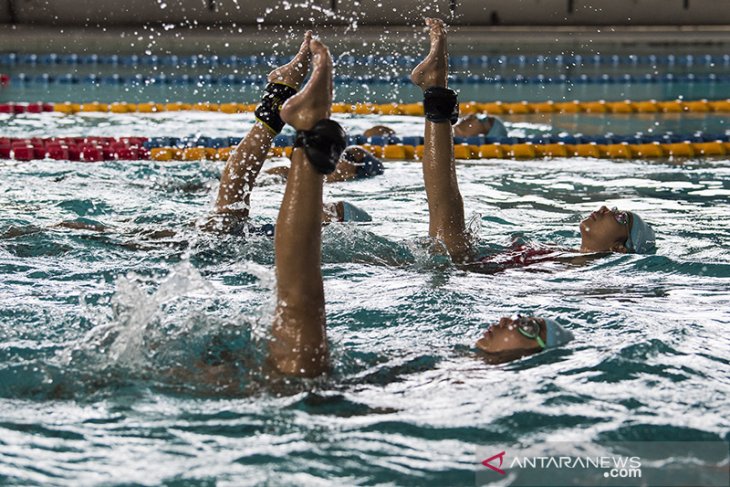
x: 466, y: 126
x: 471, y: 125
x: 360, y: 162
x: 611, y: 230
x: 519, y: 336
x: 355, y: 163
x: 343, y: 211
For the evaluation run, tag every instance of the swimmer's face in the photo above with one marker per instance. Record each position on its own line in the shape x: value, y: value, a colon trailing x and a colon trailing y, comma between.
x: 503, y: 342
x: 602, y: 231
x: 469, y: 126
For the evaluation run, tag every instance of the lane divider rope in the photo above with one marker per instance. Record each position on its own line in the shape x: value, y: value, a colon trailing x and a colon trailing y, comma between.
x: 706, y: 60
x: 96, y: 149
x: 207, y: 80
x: 411, y: 109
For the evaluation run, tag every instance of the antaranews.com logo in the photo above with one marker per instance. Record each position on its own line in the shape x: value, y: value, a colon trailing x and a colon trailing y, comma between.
x: 670, y: 464
x: 615, y: 466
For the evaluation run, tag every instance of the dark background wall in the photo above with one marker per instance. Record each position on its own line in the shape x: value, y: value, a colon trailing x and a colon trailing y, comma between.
x: 365, y: 12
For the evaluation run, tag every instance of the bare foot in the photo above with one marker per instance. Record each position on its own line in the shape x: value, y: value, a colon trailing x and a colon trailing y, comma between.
x: 293, y: 73
x: 434, y: 69
x: 314, y: 102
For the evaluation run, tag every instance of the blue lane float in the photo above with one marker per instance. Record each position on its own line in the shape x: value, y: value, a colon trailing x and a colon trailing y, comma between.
x: 706, y: 60
x: 255, y: 79
x: 283, y: 140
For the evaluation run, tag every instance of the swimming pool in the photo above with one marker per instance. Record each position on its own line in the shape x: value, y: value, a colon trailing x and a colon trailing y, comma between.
x: 99, y: 329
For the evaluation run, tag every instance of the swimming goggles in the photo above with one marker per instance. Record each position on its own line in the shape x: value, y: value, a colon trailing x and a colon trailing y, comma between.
x: 622, y: 217
x: 530, y: 328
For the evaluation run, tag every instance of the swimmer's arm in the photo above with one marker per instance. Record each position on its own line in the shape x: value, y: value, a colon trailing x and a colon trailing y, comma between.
x: 242, y: 169
x: 78, y: 225
x: 581, y: 260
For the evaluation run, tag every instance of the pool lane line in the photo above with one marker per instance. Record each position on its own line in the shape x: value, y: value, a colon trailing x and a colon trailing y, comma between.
x: 203, y: 60
x: 286, y: 140
x: 97, y: 149
x: 625, y: 107
x: 210, y: 80
x: 519, y: 151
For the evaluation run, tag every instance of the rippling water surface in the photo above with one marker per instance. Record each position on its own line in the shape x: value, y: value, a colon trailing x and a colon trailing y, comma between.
x: 102, y: 330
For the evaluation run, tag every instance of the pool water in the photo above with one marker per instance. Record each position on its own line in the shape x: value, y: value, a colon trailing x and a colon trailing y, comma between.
x: 102, y: 331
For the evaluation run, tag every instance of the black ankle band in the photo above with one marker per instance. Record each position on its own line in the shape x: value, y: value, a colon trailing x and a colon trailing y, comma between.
x: 440, y: 105
x: 275, y: 94
x: 323, y: 144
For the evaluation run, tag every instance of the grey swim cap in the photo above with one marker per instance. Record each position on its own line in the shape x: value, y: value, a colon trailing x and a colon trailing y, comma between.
x: 641, y: 237
x: 555, y: 335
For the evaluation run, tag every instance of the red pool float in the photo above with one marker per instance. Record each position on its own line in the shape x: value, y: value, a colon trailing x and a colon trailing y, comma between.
x: 74, y: 152
x: 57, y: 151
x: 90, y: 153
x: 35, y: 108
x: 23, y: 152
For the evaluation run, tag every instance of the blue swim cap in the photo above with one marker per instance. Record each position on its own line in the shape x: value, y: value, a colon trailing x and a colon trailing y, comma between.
x: 351, y: 213
x: 555, y: 335
x: 498, y: 129
x: 641, y: 237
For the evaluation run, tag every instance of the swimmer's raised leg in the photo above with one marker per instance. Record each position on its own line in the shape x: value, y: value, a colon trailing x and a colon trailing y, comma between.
x: 245, y: 161
x: 445, y: 205
x: 299, y: 343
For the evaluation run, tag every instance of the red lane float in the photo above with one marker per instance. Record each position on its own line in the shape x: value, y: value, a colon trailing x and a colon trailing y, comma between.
x: 17, y: 108
x: 86, y: 149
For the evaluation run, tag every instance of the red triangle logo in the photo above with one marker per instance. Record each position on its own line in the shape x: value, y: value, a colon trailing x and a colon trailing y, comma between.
x: 487, y: 463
